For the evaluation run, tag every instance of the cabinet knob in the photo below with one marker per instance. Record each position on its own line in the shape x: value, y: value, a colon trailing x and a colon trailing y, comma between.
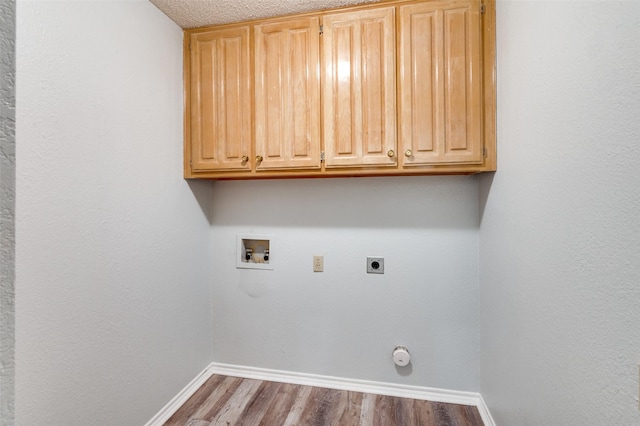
x: 391, y: 153
x: 259, y: 158
x: 245, y: 158
x: 408, y: 153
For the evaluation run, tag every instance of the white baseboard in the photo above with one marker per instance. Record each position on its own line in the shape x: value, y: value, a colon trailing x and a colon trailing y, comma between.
x: 484, y: 412
x: 355, y: 385
x: 177, y: 401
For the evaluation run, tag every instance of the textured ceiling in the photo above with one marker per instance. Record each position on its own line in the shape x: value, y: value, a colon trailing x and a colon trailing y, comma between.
x: 198, y: 13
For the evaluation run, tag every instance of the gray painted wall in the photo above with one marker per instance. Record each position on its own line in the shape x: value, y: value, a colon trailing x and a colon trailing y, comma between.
x: 344, y: 322
x: 113, y: 302
x: 560, y: 226
x: 7, y: 209
x: 115, y: 262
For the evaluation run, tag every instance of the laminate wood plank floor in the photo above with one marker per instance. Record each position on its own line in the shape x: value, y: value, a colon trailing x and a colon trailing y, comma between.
x: 231, y: 401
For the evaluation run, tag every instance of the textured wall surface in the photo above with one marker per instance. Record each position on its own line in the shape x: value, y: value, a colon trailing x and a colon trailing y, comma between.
x: 343, y: 322
x: 198, y: 13
x: 7, y: 209
x: 113, y: 290
x: 560, y: 229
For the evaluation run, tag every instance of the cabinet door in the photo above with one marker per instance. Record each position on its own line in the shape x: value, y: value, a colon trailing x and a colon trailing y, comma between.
x: 287, y: 94
x: 359, y: 97
x: 220, y: 100
x: 440, y: 83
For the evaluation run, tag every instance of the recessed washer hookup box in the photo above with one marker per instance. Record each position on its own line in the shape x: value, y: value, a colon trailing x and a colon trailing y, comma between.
x: 255, y: 251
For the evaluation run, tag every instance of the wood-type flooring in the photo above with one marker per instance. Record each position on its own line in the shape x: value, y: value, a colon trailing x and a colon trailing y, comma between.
x: 231, y: 401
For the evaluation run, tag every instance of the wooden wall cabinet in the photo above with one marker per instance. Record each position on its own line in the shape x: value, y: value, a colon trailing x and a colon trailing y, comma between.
x: 359, y: 88
x: 401, y: 87
x: 219, y: 116
x: 287, y: 94
x: 440, y: 98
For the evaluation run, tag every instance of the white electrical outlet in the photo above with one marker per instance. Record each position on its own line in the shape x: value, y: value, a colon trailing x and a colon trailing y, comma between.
x: 318, y: 263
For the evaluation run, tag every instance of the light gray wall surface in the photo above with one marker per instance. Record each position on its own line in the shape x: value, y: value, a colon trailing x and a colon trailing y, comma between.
x: 560, y: 220
x: 7, y: 209
x: 344, y: 322
x: 116, y: 267
x: 113, y: 301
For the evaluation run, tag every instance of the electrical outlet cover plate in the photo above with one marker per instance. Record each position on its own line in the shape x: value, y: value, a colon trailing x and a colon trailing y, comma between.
x: 375, y: 265
x: 318, y: 263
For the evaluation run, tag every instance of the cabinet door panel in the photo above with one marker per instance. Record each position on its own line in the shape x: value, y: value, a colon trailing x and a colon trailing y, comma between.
x: 420, y: 104
x: 220, y: 100
x: 440, y: 94
x: 372, y: 83
x: 287, y: 94
x: 344, y: 69
x: 359, y: 88
x: 272, y: 107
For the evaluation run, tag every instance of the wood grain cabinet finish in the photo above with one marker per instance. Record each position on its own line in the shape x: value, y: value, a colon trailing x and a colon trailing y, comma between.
x: 287, y: 94
x: 359, y: 92
x: 440, y: 98
x: 400, y: 87
x: 220, y: 100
